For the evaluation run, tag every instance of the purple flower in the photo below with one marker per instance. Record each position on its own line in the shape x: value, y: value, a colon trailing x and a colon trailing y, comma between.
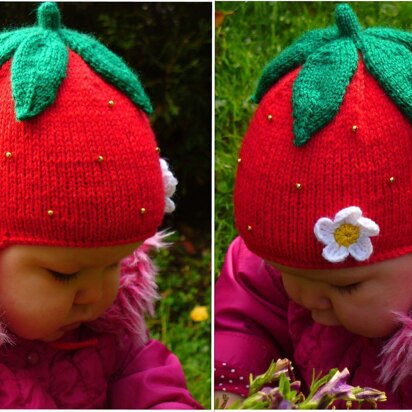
x: 336, y: 387
x: 270, y: 394
x: 370, y: 395
x: 295, y: 386
x: 282, y: 366
x: 266, y: 390
x: 284, y: 404
x: 275, y: 398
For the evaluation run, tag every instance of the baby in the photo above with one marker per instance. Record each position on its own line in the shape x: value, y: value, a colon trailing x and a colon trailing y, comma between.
x: 321, y: 272
x: 83, y: 192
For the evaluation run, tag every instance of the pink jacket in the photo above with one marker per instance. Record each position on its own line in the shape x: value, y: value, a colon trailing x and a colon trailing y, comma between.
x: 110, y: 363
x: 256, y: 322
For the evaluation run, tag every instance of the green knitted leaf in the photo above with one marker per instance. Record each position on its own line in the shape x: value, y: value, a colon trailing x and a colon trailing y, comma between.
x: 329, y: 59
x: 38, y: 68
x: 391, y: 65
x: 40, y: 59
x: 397, y: 36
x: 9, y: 41
x: 320, y: 87
x: 292, y: 57
x: 111, y: 67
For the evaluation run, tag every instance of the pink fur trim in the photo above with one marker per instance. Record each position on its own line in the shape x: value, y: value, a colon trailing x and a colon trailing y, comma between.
x: 137, y: 294
x: 396, y: 355
x: 4, y: 335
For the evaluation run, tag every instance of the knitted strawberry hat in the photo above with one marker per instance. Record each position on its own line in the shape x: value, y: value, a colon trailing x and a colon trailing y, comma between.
x: 325, y: 170
x: 79, y: 164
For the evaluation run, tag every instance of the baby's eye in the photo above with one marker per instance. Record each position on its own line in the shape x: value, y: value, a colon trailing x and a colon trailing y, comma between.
x: 63, y: 277
x: 346, y: 289
x: 114, y: 266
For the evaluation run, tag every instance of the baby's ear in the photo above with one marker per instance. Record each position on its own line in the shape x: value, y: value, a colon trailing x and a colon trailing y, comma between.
x: 169, y: 183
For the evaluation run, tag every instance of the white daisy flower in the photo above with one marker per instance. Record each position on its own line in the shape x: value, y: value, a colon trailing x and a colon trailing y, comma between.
x: 169, y: 183
x: 348, y: 234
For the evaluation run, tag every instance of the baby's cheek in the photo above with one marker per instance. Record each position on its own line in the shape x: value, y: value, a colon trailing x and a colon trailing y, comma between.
x: 34, y: 317
x: 111, y: 289
x: 292, y: 288
x: 367, y: 321
x: 39, y: 322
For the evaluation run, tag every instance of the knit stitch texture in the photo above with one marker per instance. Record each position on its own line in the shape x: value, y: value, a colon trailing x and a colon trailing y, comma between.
x: 79, y: 166
x: 329, y: 58
x: 40, y: 59
x: 349, y: 115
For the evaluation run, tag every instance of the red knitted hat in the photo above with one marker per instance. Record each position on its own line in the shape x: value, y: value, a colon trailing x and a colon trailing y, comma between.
x: 325, y: 170
x: 79, y: 164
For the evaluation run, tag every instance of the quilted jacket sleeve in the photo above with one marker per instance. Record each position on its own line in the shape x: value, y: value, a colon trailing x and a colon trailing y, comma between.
x: 251, y: 326
x: 151, y: 378
x: 18, y: 390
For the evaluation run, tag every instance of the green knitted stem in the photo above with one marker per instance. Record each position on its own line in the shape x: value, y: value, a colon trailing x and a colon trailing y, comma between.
x: 320, y: 86
x: 329, y: 59
x: 48, y: 16
x: 38, y: 68
x: 40, y: 59
x: 391, y: 65
x: 347, y: 22
x: 9, y: 41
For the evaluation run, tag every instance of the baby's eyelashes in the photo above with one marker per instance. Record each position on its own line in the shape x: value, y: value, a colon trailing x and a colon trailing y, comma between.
x: 67, y: 277
x: 63, y: 277
x: 347, y: 289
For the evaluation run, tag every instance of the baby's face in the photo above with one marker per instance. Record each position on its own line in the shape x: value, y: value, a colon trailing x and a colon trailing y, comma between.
x: 360, y: 299
x: 47, y: 291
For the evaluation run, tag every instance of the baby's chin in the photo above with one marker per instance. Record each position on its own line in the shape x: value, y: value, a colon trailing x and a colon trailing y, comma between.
x: 370, y: 332
x: 53, y: 337
x: 49, y: 336
x: 373, y: 330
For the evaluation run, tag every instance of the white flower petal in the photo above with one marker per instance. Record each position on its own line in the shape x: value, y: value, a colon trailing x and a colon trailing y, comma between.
x: 368, y: 227
x: 335, y: 253
x: 169, y: 205
x: 362, y: 249
x: 349, y: 215
x: 169, y: 183
x: 324, y: 229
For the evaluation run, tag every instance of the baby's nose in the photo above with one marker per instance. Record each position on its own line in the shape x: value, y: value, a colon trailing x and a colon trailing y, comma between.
x: 89, y: 293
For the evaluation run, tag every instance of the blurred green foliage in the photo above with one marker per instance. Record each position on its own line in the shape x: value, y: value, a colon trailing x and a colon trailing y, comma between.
x: 251, y: 34
x: 169, y: 46
x: 184, y: 282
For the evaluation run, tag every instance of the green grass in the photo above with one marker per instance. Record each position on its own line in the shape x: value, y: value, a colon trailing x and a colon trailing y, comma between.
x: 184, y: 282
x: 253, y: 33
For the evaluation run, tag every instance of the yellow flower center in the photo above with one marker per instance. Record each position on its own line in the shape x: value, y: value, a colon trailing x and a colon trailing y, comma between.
x: 346, y: 234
